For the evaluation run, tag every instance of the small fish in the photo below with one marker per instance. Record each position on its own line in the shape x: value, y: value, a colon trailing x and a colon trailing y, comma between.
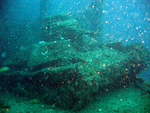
x: 4, y: 69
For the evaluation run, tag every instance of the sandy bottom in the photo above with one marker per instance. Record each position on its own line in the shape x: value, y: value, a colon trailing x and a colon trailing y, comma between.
x: 115, y: 100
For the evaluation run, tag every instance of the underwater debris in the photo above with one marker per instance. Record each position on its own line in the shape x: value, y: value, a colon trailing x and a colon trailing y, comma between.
x: 72, y: 69
x: 63, y: 25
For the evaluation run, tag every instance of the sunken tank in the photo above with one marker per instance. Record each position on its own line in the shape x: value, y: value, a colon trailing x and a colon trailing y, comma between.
x: 69, y: 66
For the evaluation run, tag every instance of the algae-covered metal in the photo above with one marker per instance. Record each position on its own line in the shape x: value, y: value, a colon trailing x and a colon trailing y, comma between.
x: 69, y: 66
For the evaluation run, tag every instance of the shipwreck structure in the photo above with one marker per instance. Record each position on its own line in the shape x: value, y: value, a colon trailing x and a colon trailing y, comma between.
x: 69, y: 65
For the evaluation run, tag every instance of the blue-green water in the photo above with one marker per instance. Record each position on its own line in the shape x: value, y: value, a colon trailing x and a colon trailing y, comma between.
x: 88, y: 25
